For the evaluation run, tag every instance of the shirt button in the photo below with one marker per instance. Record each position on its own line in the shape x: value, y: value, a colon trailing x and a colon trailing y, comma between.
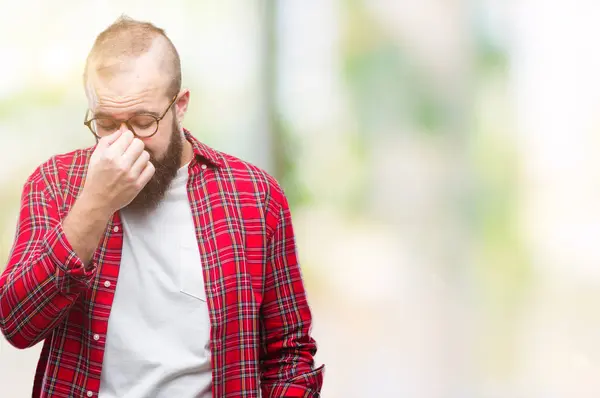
x: 96, y: 337
x: 107, y: 284
x: 116, y: 228
x: 203, y: 167
x: 90, y: 394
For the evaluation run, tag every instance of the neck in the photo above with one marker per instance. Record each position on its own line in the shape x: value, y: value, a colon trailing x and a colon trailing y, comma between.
x: 188, y: 153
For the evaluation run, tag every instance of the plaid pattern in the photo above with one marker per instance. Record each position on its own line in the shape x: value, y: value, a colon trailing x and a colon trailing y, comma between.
x: 260, y: 319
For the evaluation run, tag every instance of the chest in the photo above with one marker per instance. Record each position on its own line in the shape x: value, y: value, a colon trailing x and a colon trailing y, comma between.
x: 210, y: 239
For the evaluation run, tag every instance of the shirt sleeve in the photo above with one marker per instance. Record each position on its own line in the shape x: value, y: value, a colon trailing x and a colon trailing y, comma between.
x: 44, y: 276
x: 287, y: 347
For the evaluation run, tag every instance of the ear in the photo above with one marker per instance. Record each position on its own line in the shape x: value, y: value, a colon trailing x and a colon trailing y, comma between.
x: 181, y: 105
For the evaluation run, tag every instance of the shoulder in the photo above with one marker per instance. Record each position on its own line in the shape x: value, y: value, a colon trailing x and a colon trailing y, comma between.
x: 251, y: 183
x: 239, y: 176
x: 249, y: 174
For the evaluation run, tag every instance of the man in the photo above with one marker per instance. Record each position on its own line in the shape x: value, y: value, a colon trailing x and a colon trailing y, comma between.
x: 151, y: 265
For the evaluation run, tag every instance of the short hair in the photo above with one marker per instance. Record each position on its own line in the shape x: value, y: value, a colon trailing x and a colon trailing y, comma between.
x: 127, y: 38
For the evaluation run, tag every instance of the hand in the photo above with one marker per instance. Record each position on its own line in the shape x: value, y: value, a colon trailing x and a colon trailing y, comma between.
x: 119, y: 169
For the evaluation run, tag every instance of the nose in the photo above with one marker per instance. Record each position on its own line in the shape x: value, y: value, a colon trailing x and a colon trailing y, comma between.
x: 125, y: 127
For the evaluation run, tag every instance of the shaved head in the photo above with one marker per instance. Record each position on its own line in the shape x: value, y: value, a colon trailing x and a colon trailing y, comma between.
x: 126, y: 41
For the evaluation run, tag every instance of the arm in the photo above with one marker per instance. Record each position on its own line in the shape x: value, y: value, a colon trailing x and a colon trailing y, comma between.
x: 45, y: 276
x: 287, y: 348
x: 84, y: 226
x: 46, y: 271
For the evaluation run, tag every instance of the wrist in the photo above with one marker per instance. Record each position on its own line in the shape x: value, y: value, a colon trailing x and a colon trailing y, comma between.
x: 93, y: 206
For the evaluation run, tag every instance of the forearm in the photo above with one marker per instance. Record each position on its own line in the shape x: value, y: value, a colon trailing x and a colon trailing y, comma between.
x: 84, y: 226
x: 39, y: 287
x: 45, y: 275
x: 44, y: 302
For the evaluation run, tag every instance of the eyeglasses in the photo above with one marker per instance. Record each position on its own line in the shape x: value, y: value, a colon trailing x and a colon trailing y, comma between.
x: 142, y: 125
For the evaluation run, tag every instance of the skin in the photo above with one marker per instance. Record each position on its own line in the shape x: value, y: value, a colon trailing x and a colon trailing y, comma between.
x: 121, y: 165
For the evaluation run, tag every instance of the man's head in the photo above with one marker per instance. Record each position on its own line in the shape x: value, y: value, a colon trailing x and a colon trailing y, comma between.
x: 133, y: 68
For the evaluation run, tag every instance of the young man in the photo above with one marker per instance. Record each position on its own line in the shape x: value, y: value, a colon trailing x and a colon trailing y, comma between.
x: 151, y: 265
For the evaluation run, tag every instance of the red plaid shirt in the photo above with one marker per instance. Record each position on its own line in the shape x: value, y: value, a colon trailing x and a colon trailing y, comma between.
x: 259, y: 316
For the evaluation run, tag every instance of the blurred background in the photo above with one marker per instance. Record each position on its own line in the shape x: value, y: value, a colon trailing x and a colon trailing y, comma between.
x: 440, y: 157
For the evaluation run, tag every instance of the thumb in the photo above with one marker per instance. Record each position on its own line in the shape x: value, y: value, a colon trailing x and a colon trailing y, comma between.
x: 105, y: 142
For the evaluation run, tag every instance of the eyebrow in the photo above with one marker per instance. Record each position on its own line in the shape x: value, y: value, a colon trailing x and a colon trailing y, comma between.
x: 136, y: 113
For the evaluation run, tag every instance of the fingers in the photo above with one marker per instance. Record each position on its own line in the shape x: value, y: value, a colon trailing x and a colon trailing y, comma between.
x: 140, y: 164
x: 105, y: 142
x: 118, y: 147
x: 132, y: 153
x: 146, y: 175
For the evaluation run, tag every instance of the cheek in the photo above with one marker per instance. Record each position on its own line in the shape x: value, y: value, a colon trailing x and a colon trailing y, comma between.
x: 157, y: 145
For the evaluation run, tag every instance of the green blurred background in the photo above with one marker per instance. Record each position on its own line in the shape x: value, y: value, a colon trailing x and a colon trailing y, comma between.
x: 439, y: 157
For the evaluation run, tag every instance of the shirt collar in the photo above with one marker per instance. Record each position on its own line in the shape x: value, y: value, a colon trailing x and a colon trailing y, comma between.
x: 203, y: 151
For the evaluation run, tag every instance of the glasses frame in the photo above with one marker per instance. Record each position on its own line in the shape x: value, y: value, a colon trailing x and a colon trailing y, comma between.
x: 88, y: 123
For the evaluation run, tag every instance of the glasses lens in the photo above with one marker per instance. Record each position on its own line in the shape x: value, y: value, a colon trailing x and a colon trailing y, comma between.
x: 143, y: 125
x: 104, y: 126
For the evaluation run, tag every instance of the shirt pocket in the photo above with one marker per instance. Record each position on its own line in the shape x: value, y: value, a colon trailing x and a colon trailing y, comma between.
x: 191, y: 280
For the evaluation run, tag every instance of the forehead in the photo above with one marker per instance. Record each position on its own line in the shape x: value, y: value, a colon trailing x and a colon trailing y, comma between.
x: 123, y: 87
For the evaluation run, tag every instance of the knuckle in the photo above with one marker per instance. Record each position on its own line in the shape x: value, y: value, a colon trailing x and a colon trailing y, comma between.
x: 123, y: 168
x: 107, y: 159
x: 104, y: 140
x: 139, y: 185
x: 130, y: 177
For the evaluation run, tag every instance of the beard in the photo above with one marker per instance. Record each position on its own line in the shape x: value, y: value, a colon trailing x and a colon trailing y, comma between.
x: 166, y: 170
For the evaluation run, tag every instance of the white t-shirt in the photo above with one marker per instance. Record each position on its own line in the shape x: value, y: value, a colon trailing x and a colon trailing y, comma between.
x: 157, y: 344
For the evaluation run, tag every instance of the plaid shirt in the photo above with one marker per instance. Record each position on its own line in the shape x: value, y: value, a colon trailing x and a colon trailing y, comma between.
x: 259, y: 316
